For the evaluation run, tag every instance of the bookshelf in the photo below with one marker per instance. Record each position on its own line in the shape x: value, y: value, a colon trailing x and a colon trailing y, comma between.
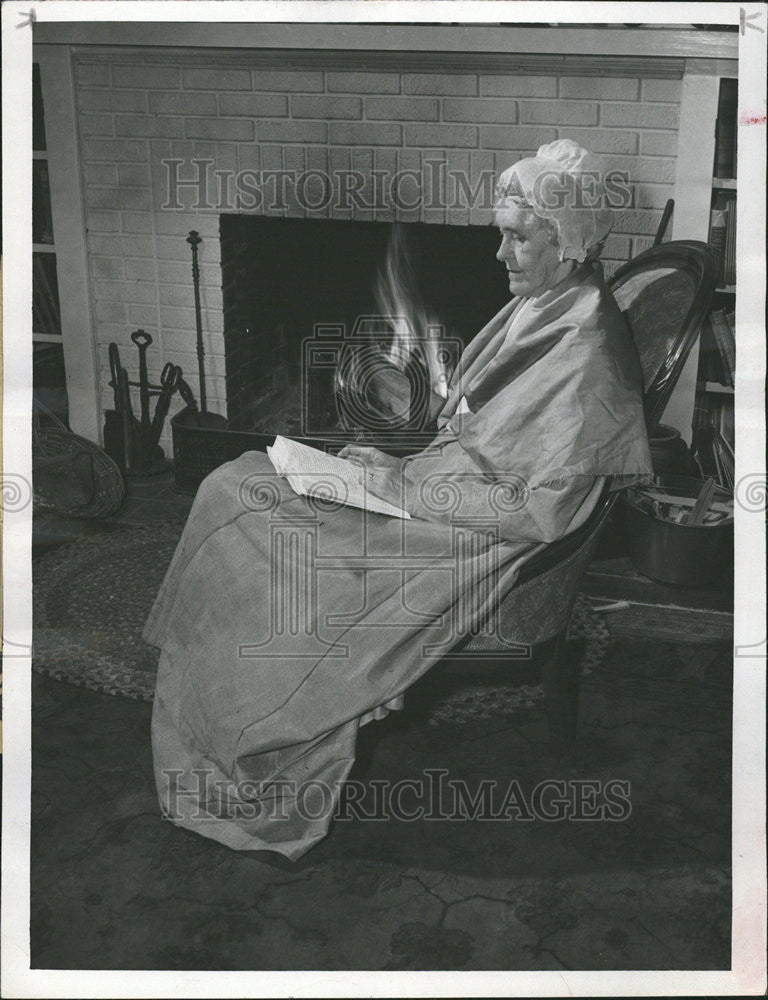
x: 713, y: 417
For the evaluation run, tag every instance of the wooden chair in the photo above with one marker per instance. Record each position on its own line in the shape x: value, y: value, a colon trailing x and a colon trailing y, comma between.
x: 664, y: 294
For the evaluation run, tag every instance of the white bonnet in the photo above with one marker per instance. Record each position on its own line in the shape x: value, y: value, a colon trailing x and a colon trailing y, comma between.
x: 565, y: 184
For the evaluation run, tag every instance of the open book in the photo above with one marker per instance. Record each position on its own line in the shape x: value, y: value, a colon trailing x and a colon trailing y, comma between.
x: 313, y: 473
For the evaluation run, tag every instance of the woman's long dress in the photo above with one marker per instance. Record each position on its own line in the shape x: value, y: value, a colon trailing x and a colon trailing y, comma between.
x: 285, y: 624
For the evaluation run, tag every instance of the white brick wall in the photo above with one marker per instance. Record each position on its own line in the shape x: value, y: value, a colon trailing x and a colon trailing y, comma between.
x: 136, y: 111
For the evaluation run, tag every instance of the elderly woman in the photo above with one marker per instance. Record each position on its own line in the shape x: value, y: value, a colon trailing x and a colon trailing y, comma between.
x: 285, y: 625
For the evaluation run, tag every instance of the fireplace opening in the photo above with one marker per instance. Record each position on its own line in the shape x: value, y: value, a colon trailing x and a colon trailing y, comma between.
x: 313, y: 306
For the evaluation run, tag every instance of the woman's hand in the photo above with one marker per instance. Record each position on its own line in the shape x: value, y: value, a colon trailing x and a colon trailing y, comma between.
x: 382, y: 473
x: 386, y: 484
x: 370, y: 457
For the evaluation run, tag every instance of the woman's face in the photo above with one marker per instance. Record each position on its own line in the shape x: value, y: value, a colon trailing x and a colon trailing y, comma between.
x: 530, y: 258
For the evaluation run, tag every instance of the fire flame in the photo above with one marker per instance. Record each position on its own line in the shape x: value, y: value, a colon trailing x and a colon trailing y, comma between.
x: 414, y: 332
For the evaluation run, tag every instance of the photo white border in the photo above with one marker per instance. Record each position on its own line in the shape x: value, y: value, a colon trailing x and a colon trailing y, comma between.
x: 747, y: 976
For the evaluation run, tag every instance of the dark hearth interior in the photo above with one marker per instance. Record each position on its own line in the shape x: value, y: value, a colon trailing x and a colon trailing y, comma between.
x: 282, y: 278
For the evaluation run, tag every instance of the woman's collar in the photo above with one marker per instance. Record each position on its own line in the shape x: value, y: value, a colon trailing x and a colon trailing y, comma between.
x: 579, y: 275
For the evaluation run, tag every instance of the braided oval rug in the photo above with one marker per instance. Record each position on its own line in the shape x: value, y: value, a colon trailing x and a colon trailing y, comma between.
x: 92, y: 597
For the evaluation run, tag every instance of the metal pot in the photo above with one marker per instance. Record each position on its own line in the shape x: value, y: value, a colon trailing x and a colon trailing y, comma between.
x: 693, y: 555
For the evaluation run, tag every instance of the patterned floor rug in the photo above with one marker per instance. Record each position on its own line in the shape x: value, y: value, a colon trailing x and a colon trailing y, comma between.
x: 91, y: 600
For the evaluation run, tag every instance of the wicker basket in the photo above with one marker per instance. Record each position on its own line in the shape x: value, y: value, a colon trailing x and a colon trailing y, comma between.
x: 70, y: 475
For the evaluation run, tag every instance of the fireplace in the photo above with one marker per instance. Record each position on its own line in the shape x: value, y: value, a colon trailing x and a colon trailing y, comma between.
x: 300, y: 294
x: 311, y: 305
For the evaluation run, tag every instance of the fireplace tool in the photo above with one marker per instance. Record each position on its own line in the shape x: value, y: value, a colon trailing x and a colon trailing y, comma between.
x: 169, y: 382
x: 142, y: 340
x: 132, y: 443
x: 202, y: 418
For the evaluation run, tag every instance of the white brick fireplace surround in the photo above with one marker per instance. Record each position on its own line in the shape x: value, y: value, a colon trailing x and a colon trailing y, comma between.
x: 306, y: 99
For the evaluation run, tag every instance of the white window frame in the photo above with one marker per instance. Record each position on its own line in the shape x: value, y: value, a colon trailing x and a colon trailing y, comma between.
x: 50, y: 248
x: 77, y: 334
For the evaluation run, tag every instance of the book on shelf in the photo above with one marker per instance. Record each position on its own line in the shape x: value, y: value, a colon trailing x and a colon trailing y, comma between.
x: 713, y: 438
x: 730, y: 244
x: 714, y: 457
x: 704, y: 452
x: 725, y: 341
x: 722, y: 234
x: 708, y: 354
x: 725, y: 129
x: 717, y: 355
x: 727, y: 424
x: 718, y: 223
x: 724, y: 459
